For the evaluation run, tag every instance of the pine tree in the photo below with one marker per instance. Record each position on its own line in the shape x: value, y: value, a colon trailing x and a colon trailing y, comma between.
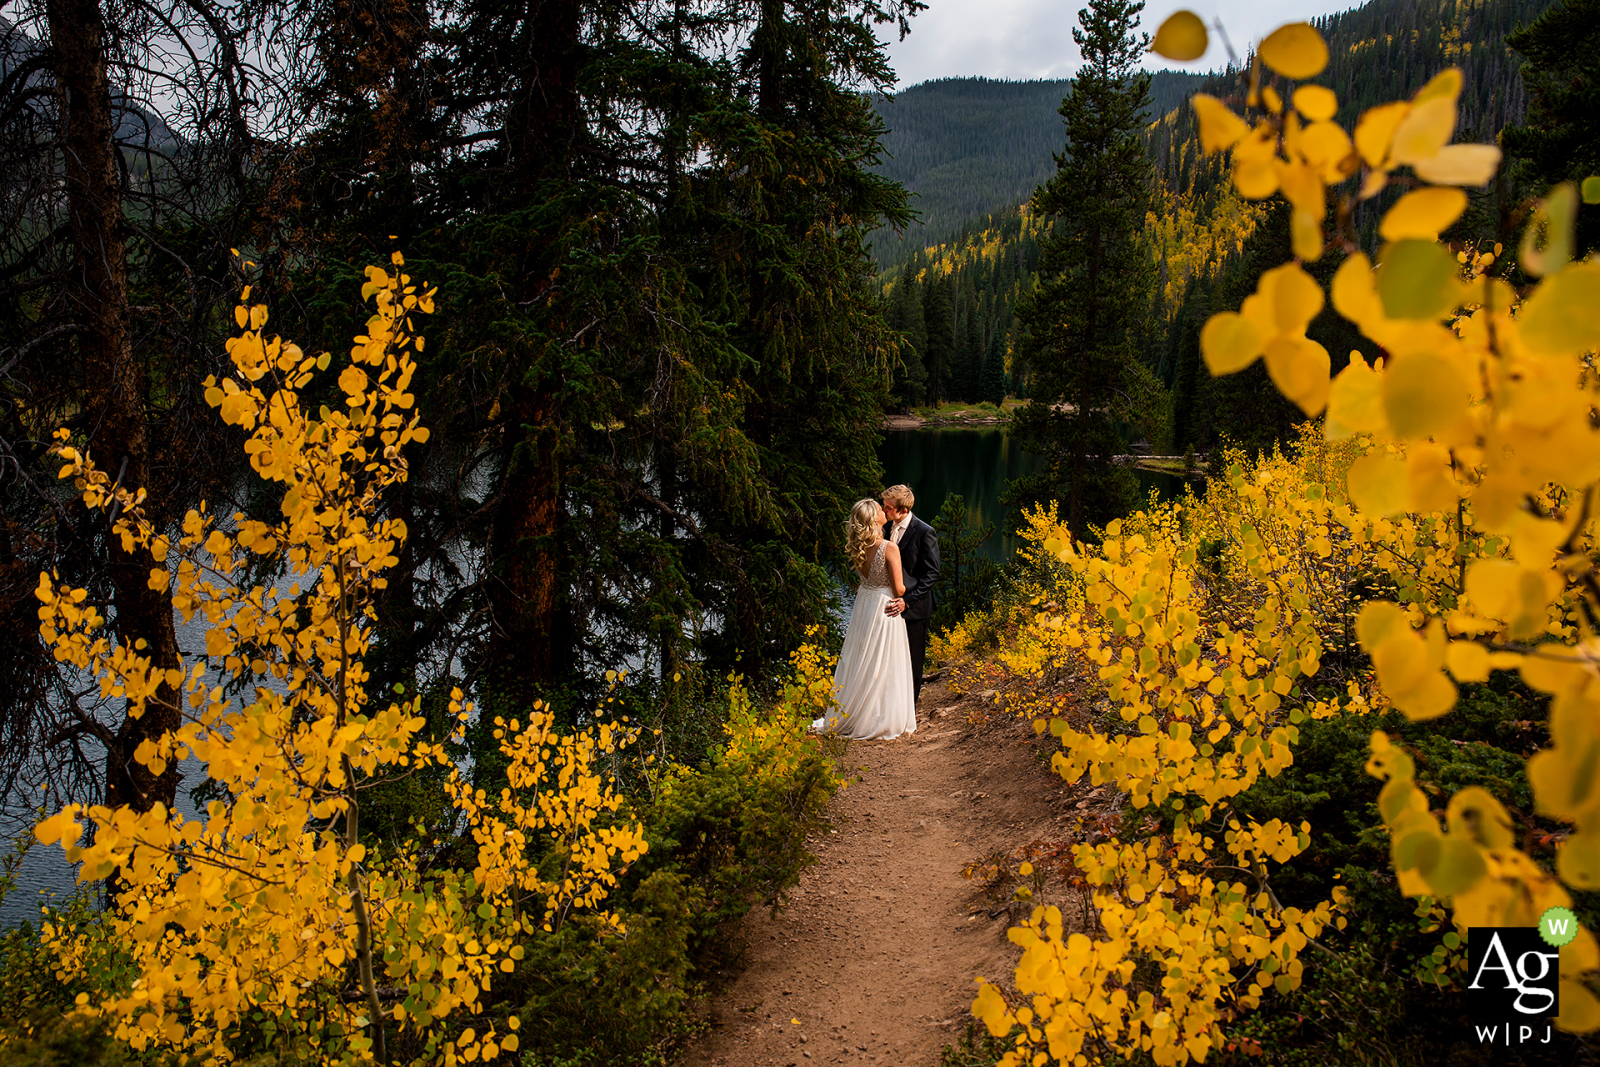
x: 992, y: 384
x: 939, y: 313
x: 1083, y: 323
x: 969, y: 353
x: 905, y: 318
x: 1561, y: 139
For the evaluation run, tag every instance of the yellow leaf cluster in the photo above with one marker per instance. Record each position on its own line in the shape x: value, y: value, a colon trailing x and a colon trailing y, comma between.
x: 268, y: 902
x: 1295, y: 148
x: 1480, y: 476
x: 1206, y: 673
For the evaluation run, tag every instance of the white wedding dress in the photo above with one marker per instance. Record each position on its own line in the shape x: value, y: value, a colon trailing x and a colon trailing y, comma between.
x: 872, y: 683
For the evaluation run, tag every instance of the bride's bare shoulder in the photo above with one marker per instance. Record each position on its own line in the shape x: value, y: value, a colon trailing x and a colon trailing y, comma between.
x: 890, y: 549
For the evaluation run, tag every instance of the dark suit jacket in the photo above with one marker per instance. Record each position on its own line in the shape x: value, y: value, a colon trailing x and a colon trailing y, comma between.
x: 919, y: 567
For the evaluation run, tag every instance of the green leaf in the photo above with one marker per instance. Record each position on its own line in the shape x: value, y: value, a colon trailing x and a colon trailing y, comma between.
x: 1417, y: 280
x: 1591, y: 190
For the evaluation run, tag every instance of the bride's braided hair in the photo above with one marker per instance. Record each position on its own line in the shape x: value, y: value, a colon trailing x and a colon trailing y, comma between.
x: 861, y: 533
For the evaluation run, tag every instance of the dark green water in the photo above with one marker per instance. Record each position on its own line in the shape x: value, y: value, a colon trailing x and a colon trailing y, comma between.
x: 977, y: 464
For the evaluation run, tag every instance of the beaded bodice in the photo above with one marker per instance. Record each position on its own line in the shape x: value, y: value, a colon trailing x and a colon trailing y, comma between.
x: 877, y: 574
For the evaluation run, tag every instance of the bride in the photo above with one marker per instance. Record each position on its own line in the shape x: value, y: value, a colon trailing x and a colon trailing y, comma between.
x: 872, y: 683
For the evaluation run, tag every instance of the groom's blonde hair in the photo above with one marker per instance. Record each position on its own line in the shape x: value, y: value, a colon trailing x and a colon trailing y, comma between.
x: 901, y: 496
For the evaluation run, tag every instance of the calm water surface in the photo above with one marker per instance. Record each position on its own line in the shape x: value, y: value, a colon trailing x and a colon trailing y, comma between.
x: 976, y: 463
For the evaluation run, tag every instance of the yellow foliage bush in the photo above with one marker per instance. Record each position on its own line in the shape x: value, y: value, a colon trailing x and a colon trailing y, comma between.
x: 267, y: 907
x: 1457, y: 479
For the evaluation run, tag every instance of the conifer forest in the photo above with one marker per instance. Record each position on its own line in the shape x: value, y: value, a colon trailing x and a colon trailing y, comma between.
x: 427, y: 434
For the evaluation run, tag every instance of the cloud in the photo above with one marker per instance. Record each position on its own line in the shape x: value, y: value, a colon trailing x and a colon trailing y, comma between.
x: 1021, y: 39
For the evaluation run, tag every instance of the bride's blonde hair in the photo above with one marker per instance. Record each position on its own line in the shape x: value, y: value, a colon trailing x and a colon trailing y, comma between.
x: 862, y: 532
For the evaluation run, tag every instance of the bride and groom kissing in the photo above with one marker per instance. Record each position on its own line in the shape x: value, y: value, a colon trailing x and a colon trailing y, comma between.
x: 879, y: 676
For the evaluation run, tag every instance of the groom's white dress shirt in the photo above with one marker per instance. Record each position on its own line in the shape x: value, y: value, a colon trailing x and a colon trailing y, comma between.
x: 900, y: 528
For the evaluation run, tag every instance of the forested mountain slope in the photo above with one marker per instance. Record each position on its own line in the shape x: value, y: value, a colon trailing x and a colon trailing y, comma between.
x: 1203, y: 236
x: 967, y: 147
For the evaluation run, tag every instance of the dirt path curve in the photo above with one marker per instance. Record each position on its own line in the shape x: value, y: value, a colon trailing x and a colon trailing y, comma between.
x: 874, y: 959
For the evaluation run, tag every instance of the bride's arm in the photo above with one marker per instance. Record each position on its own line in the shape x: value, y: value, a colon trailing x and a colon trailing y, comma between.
x: 891, y: 557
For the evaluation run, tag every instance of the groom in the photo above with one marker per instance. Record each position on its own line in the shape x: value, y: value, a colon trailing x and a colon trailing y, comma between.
x: 919, y: 566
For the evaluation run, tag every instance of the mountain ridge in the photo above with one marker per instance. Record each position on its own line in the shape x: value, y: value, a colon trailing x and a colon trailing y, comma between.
x: 968, y: 147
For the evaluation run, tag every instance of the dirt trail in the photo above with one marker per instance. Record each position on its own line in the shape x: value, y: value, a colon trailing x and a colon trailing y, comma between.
x: 874, y: 959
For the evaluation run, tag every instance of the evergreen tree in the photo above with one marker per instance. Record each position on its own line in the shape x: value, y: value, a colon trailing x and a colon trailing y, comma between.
x: 969, y: 353
x: 992, y: 384
x: 905, y: 318
x: 1083, y: 322
x: 1561, y: 139
x: 939, y: 313
x: 659, y: 371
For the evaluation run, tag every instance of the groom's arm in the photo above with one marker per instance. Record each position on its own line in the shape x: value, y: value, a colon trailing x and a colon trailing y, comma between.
x: 920, y: 583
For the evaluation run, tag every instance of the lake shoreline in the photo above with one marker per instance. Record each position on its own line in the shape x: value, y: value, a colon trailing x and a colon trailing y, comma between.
x: 958, y: 419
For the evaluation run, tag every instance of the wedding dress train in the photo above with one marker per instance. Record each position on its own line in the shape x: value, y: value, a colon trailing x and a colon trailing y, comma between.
x: 872, y: 683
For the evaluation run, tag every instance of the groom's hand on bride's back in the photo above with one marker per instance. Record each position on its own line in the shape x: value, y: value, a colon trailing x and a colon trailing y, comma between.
x: 895, y: 606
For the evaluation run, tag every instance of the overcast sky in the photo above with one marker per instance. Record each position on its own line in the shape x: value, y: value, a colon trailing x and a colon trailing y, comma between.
x: 1020, y: 39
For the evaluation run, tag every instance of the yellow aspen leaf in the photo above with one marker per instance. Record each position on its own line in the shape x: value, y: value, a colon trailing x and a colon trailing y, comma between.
x: 1299, y: 368
x: 1316, y: 103
x: 1417, y: 280
x: 1578, y: 862
x: 1295, y: 297
x: 1296, y: 51
x: 1562, y: 317
x: 1457, y: 867
x: 1468, y: 661
x: 1459, y: 164
x: 1375, y: 132
x: 1327, y: 147
x: 1220, y: 128
x: 1428, y: 694
x: 62, y: 826
x: 353, y: 381
x: 1474, y: 813
x: 1580, y: 1010
x: 1444, y: 85
x: 1379, y: 484
x: 1432, y: 483
x: 1302, y: 187
x: 1423, y: 393
x: 1229, y: 342
x: 1355, y: 295
x: 1355, y: 402
x: 1182, y: 37
x: 1501, y: 589
x: 1255, y: 179
x: 990, y: 1008
x: 1377, y: 622
x: 1426, y: 128
x: 1305, y: 234
x: 1547, y: 241
x: 1496, y: 498
x: 1422, y: 214
x: 1534, y: 540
